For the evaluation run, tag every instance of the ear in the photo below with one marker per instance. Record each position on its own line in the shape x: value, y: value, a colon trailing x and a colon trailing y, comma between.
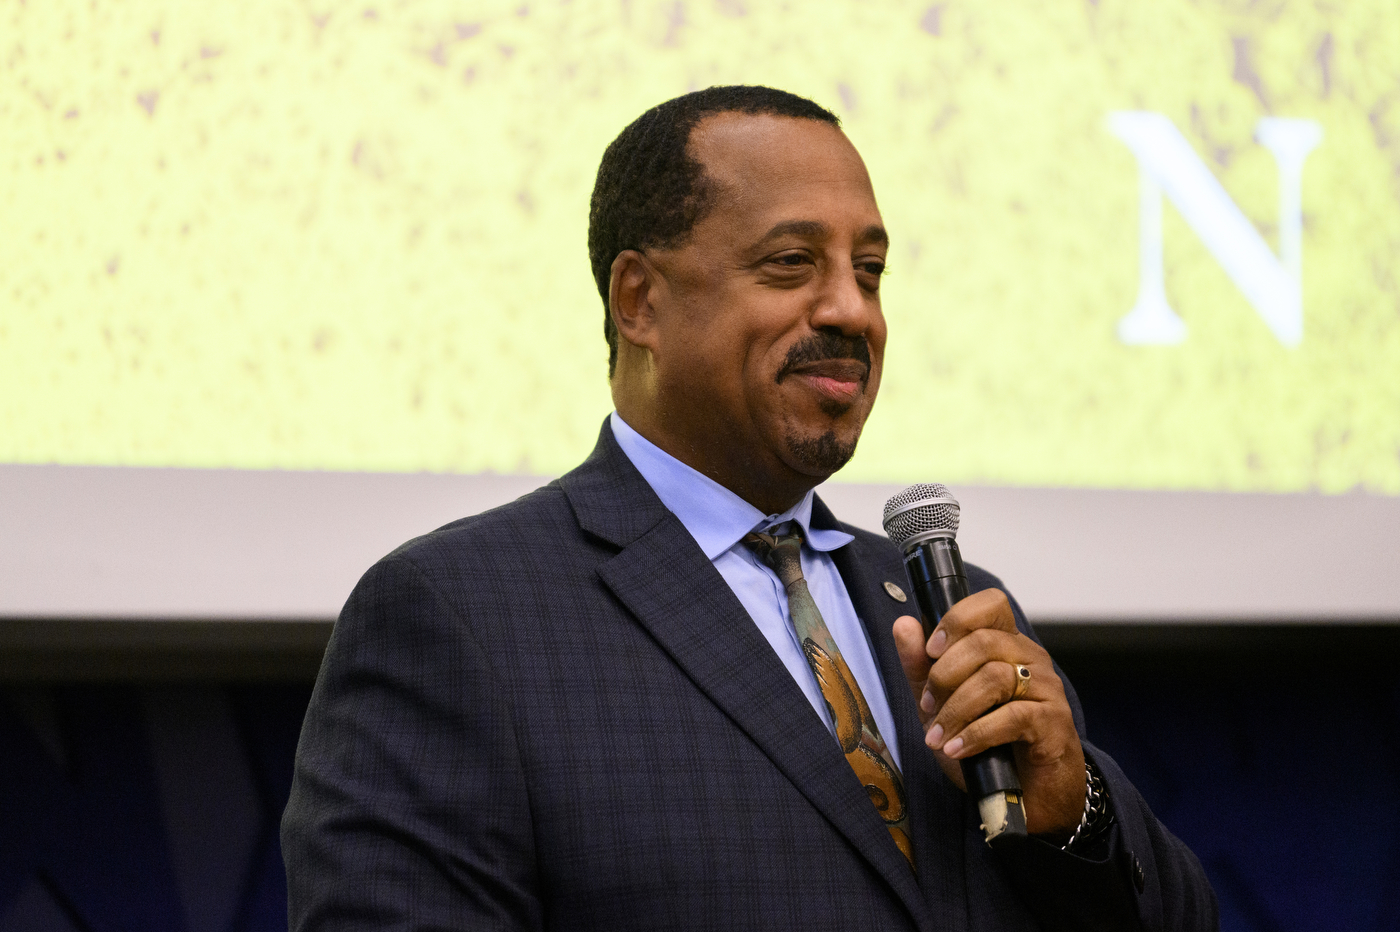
x: 629, y: 298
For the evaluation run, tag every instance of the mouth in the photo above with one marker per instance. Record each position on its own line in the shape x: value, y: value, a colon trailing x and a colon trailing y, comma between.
x: 835, y: 367
x: 840, y: 380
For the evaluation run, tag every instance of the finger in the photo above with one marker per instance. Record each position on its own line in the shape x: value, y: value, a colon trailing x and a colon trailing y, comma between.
x: 951, y: 769
x: 1013, y: 722
x: 978, y: 648
x: 1048, y: 756
x: 991, y: 685
x: 909, y: 643
x: 986, y: 609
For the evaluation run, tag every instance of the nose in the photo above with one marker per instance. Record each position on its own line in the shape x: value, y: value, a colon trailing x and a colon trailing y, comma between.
x: 843, y: 304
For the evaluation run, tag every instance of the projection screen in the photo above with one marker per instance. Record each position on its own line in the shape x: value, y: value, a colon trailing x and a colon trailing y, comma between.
x: 287, y: 283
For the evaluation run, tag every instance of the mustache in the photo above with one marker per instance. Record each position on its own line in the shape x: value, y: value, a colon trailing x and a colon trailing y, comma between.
x: 822, y: 346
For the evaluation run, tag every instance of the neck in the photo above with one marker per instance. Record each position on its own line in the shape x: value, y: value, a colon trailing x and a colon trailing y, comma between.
x: 772, y: 488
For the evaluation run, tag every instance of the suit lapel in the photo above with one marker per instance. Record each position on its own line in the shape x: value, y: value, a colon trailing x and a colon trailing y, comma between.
x: 937, y: 812
x: 668, y: 583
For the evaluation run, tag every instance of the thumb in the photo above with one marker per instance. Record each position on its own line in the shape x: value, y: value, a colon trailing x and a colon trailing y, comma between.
x: 913, y: 656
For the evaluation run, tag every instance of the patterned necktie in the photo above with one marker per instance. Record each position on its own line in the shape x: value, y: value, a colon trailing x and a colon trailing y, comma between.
x: 856, y: 732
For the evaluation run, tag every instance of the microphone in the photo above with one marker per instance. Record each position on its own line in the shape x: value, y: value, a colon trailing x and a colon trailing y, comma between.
x: 923, y: 522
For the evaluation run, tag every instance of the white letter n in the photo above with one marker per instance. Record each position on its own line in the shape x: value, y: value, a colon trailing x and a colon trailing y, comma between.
x: 1168, y: 165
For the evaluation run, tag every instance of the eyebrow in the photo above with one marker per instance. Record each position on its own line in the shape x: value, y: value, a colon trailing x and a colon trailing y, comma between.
x: 815, y: 228
x: 874, y: 234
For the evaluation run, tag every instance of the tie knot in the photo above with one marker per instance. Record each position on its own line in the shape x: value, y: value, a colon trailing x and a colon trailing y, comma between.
x: 783, y: 552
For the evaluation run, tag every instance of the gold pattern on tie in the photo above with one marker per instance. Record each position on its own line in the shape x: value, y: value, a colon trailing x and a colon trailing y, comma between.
x: 856, y: 731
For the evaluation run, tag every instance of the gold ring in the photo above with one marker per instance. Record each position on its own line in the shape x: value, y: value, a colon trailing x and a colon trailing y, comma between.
x: 1023, y: 680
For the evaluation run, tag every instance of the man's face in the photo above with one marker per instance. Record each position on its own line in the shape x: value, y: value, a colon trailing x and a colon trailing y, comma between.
x: 768, y: 332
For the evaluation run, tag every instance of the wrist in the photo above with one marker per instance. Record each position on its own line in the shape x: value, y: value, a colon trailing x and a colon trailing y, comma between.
x: 1096, y: 819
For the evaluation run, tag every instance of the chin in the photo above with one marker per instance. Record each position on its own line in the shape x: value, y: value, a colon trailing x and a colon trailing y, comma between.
x: 822, y: 454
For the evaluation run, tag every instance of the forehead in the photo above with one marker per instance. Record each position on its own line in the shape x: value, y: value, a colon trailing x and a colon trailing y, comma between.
x: 759, y: 161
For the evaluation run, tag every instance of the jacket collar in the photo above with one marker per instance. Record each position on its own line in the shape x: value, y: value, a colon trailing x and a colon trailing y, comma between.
x: 609, y: 497
x: 716, y: 517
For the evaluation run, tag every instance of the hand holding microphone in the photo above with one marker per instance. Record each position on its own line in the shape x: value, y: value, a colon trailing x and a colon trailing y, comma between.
x: 992, y: 705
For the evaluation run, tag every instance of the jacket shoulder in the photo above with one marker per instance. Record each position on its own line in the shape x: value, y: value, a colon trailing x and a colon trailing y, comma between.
x: 534, y: 520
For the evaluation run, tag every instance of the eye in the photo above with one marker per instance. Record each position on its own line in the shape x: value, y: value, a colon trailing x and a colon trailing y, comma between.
x: 869, y: 272
x: 791, y: 259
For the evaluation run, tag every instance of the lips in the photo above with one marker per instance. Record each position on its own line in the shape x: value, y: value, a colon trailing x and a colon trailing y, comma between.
x: 838, y: 379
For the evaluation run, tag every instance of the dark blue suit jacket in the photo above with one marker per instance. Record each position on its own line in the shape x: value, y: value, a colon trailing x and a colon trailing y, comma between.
x: 557, y: 715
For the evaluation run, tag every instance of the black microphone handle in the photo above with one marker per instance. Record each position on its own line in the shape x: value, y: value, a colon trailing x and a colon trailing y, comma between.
x: 936, y: 570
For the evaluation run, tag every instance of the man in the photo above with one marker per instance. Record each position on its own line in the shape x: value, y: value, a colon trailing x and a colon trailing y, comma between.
x: 670, y: 690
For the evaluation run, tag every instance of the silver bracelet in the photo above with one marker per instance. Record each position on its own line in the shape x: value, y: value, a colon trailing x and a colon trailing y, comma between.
x: 1095, y: 807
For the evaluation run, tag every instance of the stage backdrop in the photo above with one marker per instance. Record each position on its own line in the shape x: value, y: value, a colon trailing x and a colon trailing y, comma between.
x: 1140, y: 247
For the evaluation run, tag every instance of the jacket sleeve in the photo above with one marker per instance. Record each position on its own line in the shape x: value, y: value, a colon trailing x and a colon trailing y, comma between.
x: 408, y: 808
x: 1140, y: 877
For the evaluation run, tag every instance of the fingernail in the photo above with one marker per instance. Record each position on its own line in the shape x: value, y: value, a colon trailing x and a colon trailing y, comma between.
x: 927, y: 703
x: 937, y: 643
x: 935, y: 736
x: 953, y: 747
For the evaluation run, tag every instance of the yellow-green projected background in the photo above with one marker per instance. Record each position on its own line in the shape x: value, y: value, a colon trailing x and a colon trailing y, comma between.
x: 271, y: 234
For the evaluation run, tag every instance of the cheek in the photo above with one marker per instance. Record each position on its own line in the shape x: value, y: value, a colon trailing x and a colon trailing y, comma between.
x: 711, y: 371
x: 877, y: 357
x: 878, y: 334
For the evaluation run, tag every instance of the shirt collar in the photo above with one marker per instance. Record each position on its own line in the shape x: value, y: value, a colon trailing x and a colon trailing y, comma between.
x: 716, y: 517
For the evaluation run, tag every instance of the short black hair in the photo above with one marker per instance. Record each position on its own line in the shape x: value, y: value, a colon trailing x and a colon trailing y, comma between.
x: 650, y: 192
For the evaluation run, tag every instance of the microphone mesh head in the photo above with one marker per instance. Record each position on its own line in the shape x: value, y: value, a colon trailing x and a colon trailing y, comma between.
x: 920, y: 512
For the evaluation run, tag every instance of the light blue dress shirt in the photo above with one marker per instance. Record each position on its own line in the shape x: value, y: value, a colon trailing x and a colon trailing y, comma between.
x: 718, y: 520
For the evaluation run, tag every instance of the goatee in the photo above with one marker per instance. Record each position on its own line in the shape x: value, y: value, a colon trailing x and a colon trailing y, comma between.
x: 823, y: 454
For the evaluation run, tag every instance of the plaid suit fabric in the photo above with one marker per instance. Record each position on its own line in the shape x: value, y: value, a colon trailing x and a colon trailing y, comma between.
x: 556, y: 715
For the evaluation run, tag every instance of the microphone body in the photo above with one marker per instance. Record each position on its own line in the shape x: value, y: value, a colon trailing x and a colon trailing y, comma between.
x: 931, y: 557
